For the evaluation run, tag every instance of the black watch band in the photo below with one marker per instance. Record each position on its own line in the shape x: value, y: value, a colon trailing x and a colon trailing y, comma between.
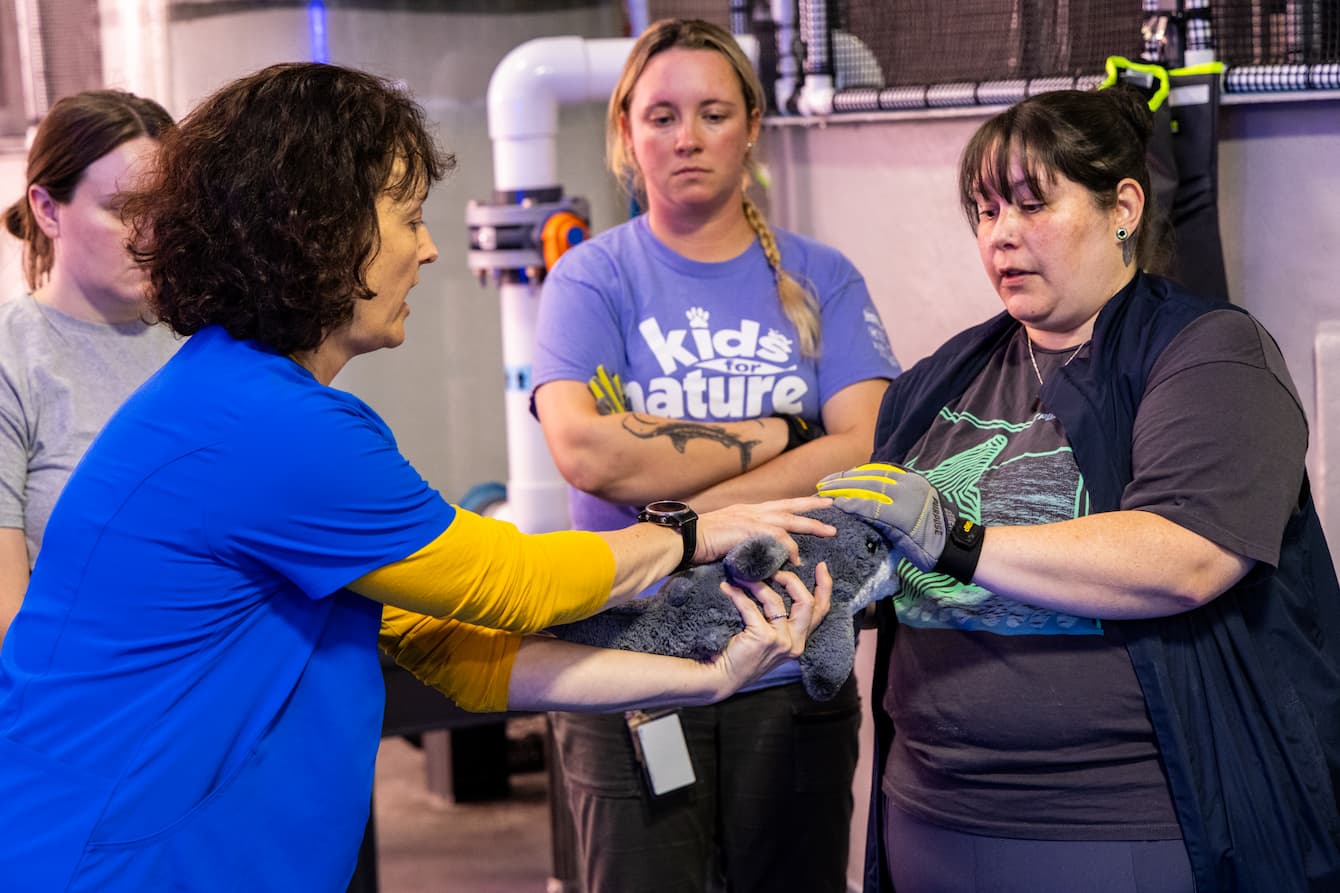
x: 678, y: 516
x: 963, y: 546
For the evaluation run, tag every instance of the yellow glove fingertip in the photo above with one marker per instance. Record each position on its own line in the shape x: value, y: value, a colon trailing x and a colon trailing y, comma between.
x: 864, y: 495
x: 880, y: 466
x: 866, y: 477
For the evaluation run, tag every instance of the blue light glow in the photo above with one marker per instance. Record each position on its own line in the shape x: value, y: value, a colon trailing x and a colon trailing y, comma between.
x: 316, y: 27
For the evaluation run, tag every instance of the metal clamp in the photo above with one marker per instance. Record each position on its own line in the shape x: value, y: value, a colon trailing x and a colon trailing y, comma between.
x: 519, y: 236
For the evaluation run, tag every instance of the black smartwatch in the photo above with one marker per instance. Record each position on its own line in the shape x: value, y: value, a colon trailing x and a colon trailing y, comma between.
x: 678, y: 516
x: 963, y: 546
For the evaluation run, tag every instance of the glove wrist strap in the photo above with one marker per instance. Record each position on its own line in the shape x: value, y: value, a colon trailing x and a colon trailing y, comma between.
x: 963, y: 546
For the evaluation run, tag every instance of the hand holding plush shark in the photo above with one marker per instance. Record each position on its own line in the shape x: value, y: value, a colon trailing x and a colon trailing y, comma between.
x: 691, y: 617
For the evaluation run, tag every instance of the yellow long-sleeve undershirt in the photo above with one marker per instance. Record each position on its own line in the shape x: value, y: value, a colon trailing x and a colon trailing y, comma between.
x: 455, y: 610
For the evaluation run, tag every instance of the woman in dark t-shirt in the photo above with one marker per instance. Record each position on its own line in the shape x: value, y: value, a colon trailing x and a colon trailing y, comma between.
x: 1096, y: 678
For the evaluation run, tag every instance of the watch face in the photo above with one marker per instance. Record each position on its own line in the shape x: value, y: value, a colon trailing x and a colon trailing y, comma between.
x: 667, y: 513
x: 666, y: 507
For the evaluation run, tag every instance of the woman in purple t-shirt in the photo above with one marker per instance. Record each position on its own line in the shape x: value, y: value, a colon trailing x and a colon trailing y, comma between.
x: 751, y: 362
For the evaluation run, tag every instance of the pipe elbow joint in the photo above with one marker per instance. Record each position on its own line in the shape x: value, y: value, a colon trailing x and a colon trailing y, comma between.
x: 534, y: 78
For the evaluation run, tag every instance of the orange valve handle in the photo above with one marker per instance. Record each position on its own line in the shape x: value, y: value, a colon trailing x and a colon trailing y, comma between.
x: 559, y: 233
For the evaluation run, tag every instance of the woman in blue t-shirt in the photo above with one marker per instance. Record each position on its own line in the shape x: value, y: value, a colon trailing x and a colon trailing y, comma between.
x: 190, y: 696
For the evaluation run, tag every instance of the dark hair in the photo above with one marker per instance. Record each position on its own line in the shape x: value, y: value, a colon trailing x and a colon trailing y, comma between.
x: 262, y: 216
x: 76, y: 132
x: 1093, y: 138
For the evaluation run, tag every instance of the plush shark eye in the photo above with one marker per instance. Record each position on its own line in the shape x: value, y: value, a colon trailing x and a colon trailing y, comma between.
x: 871, y: 545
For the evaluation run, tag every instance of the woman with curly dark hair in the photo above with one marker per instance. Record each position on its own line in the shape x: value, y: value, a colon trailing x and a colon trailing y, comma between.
x: 190, y: 696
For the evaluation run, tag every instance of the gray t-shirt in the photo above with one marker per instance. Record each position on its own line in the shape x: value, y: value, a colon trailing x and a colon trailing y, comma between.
x: 61, y: 378
x: 1017, y: 721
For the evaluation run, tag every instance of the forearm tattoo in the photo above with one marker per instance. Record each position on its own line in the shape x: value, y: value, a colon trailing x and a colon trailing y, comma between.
x: 680, y: 433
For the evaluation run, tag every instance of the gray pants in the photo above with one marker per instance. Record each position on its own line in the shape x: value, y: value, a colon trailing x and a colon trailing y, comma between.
x: 925, y: 858
x: 770, y: 811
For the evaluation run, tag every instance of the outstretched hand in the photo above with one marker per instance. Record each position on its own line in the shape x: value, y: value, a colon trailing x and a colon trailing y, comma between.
x: 720, y: 530
x: 900, y: 503
x: 772, y: 636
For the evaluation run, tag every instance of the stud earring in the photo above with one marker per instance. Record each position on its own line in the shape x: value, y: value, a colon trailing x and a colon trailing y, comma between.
x: 1123, y: 234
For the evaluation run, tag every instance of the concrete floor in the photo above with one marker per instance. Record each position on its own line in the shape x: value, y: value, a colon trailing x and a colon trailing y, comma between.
x: 429, y: 844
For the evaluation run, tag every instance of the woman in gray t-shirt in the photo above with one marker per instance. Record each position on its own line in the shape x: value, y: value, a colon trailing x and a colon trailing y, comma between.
x: 71, y: 353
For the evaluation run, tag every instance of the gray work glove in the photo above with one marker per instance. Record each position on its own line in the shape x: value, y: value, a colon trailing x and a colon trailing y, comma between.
x: 900, y: 503
x: 608, y: 391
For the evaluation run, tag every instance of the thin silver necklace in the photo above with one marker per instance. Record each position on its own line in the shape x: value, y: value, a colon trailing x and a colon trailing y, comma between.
x: 1034, y: 360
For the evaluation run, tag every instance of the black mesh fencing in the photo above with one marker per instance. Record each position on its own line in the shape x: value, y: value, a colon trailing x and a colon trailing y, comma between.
x: 50, y: 48
x: 1272, y: 45
x: 718, y: 12
x: 1276, y: 32
x: 907, y: 54
x: 915, y: 42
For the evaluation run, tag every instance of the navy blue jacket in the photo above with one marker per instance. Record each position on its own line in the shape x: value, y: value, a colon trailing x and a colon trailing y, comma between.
x: 1244, y: 692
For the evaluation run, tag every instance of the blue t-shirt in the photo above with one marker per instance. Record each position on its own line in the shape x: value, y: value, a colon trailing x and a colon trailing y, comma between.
x: 189, y: 699
x: 707, y: 342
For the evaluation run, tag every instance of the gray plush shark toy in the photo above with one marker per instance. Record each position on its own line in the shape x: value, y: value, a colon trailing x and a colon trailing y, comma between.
x: 691, y: 617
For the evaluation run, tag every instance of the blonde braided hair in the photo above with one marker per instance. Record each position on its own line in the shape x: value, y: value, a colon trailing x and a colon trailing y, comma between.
x: 798, y: 302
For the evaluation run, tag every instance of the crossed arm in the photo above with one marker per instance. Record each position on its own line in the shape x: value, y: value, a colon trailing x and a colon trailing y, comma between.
x: 633, y: 458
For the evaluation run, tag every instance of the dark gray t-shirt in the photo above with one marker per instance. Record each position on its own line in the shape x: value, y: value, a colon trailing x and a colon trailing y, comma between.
x: 1017, y: 721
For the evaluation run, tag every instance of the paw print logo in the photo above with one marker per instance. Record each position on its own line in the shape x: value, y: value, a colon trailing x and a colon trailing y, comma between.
x: 697, y: 317
x: 774, y: 347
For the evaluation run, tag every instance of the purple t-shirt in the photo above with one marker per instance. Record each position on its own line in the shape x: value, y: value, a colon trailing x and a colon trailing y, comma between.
x: 707, y: 342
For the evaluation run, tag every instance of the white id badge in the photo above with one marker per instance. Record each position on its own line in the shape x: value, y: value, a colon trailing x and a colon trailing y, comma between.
x: 658, y: 739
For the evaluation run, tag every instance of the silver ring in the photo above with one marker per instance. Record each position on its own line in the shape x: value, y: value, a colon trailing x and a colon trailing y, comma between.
x: 782, y: 616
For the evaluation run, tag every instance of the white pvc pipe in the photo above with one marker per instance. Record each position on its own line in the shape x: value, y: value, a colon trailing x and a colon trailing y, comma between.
x: 1325, y: 453
x: 537, y: 495
x: 639, y: 15
x: 816, y: 95
x: 32, y: 61
x: 523, y: 98
x: 788, y: 66
x: 134, y: 41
